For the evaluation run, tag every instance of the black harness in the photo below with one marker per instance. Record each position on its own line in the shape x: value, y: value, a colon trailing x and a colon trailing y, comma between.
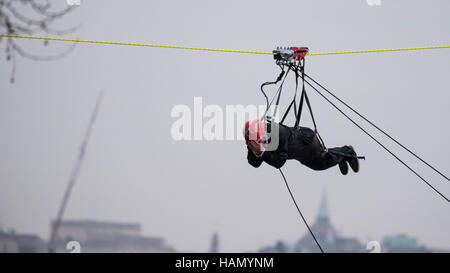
x: 293, y: 59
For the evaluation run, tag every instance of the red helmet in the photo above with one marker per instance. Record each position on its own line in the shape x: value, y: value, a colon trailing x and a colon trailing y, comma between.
x: 254, y: 130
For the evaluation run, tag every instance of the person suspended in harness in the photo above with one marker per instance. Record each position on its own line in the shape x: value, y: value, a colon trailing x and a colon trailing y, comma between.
x: 299, y: 143
x: 274, y: 143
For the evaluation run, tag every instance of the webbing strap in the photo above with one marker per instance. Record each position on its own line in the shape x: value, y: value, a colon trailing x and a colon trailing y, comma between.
x: 294, y: 101
x: 304, y: 97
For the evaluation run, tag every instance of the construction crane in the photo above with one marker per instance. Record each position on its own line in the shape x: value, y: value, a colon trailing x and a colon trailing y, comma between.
x: 73, y: 175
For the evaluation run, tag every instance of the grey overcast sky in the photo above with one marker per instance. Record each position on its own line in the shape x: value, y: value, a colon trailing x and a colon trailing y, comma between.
x: 186, y: 191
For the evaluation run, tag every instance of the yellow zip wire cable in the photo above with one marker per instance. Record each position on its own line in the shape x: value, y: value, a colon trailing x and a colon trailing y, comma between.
x: 134, y: 44
x: 219, y: 50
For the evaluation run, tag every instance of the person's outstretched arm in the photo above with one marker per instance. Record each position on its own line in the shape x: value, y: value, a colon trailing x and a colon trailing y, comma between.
x: 253, y: 159
x: 277, y: 158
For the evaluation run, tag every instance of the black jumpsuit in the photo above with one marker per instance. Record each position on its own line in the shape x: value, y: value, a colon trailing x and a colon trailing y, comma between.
x: 302, y: 144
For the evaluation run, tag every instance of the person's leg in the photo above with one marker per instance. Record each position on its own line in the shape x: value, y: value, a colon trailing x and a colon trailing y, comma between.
x: 309, y: 151
x: 332, y: 157
x: 324, y: 159
x: 315, y: 157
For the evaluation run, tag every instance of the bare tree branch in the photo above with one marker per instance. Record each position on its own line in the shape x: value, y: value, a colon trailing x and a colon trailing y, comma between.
x: 33, y: 57
x: 39, y: 18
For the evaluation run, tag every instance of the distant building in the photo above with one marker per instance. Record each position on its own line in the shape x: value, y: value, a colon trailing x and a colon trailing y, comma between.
x: 331, y: 241
x: 280, y: 247
x: 24, y: 243
x: 30, y: 243
x: 403, y: 244
x: 327, y: 236
x: 95, y: 236
x: 215, y: 243
x: 325, y: 233
x: 7, y: 243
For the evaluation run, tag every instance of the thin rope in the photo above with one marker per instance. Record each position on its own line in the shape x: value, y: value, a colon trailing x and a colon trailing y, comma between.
x: 274, y: 96
x: 379, y: 129
x: 378, y: 142
x: 299, y: 211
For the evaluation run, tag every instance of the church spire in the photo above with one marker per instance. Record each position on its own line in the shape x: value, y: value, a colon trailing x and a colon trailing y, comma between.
x: 323, y: 215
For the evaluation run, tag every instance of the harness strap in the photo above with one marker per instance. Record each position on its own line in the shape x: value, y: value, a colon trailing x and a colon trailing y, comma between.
x: 314, y: 121
x: 294, y: 101
x: 304, y: 97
